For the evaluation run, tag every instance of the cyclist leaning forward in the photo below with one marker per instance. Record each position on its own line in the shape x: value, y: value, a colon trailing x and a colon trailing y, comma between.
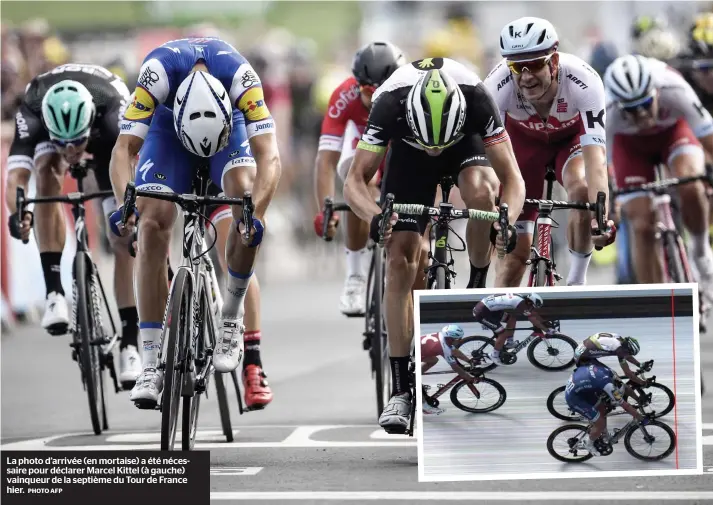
x: 219, y: 115
x: 552, y: 105
x: 441, y: 120
x: 67, y: 113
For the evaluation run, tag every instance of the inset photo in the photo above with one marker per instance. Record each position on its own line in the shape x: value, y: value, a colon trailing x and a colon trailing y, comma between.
x: 558, y: 382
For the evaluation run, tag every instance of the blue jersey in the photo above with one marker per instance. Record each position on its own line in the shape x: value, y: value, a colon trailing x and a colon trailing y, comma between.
x: 168, y: 65
x: 590, y: 381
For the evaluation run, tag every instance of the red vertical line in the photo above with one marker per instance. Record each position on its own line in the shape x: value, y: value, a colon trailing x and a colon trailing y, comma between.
x: 675, y: 394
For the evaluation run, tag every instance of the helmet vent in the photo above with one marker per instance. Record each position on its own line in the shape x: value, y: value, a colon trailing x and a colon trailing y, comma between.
x: 542, y: 36
x: 195, y: 115
x: 209, y: 113
x: 529, y: 26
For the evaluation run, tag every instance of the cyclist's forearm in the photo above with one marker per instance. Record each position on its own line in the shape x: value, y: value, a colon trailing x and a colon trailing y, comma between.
x: 265, y: 185
x: 17, y: 178
x: 120, y: 171
x: 461, y: 371
x: 457, y: 353
x: 357, y: 195
x: 324, y: 176
x: 631, y: 411
x: 502, y: 158
x: 597, y: 174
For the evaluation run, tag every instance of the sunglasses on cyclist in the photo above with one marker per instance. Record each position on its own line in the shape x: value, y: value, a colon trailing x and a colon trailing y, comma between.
x: 440, y: 148
x: 703, y: 65
x: 633, y: 107
x: 532, y: 66
x: 71, y: 142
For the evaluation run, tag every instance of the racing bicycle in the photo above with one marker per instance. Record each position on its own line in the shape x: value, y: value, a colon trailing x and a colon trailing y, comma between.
x: 543, y: 270
x: 462, y: 392
x: 190, y: 326
x: 551, y: 352
x: 569, y: 447
x: 93, y: 342
x: 657, y: 396
x: 375, y: 339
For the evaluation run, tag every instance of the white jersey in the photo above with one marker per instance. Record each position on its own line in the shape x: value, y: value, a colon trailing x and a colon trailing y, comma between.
x: 577, y: 109
x: 507, y: 301
x: 676, y: 100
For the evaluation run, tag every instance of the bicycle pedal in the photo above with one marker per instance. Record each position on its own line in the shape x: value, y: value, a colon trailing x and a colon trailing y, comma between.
x: 558, y: 277
x: 366, y: 344
x: 146, y: 405
x: 395, y: 430
x: 128, y: 385
x: 350, y: 316
x: 57, y: 330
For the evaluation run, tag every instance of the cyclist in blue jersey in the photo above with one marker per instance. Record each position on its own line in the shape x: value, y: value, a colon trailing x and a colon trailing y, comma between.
x: 196, y: 100
x: 585, y: 389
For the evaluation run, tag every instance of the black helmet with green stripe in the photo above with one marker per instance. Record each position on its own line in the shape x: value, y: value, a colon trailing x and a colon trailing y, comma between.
x: 68, y: 110
x: 435, y: 109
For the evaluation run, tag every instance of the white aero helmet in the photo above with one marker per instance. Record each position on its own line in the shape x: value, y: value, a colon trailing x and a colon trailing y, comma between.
x: 527, y: 35
x: 535, y: 299
x: 453, y: 331
x: 202, y: 114
x: 629, y: 78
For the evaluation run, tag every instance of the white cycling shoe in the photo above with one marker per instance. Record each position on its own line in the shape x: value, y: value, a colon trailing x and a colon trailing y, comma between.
x: 495, y: 357
x: 56, y: 317
x: 229, y: 348
x: 353, y: 299
x: 431, y: 410
x: 148, y: 387
x: 587, y: 444
x: 397, y: 413
x: 129, y: 367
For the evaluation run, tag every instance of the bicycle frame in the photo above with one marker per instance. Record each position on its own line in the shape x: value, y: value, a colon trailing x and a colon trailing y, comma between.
x: 439, y: 271
x: 443, y: 388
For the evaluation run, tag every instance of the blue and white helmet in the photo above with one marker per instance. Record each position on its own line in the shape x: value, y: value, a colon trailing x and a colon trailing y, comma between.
x: 452, y: 331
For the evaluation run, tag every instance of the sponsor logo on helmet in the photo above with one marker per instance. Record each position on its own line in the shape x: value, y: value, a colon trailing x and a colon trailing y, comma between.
x: 252, y: 105
x: 346, y: 96
x: 428, y: 63
x: 141, y: 106
x: 148, y: 78
x: 22, y: 129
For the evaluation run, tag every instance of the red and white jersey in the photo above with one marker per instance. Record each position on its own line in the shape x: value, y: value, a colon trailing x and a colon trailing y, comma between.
x: 345, y: 106
x: 676, y: 100
x: 433, y: 345
x: 578, y: 107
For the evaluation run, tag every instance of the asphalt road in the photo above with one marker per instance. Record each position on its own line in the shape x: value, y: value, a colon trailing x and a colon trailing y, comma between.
x: 317, y: 442
x: 511, y: 440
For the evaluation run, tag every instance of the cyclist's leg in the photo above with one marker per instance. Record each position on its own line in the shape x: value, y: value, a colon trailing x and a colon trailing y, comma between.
x: 428, y: 363
x: 503, y: 333
x: 411, y: 176
x: 591, y: 410
x: 234, y: 170
x: 164, y: 165
x: 634, y: 158
x: 353, y: 298
x: 532, y: 157
x: 31, y: 149
x: 685, y: 157
x: 569, y: 168
x: 478, y: 187
x: 130, y: 360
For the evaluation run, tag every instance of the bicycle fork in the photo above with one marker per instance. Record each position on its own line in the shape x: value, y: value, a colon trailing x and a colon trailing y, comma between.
x: 541, y: 254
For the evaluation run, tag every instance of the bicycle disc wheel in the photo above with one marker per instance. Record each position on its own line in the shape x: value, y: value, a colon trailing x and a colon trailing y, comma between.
x: 646, y: 437
x: 88, y: 355
x: 487, y: 388
x: 564, y: 448
x: 479, y: 349
x: 662, y: 399
x: 177, y: 330
x: 553, y: 352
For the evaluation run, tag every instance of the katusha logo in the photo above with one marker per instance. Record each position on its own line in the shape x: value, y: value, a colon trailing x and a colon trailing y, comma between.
x: 345, y: 98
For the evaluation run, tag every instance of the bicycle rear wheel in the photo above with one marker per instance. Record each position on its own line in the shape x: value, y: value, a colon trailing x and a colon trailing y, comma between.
x: 177, y: 328
x: 88, y: 354
x: 557, y: 406
x: 565, y: 448
x: 673, y: 262
x: 479, y: 349
x: 551, y: 356
x: 223, y: 406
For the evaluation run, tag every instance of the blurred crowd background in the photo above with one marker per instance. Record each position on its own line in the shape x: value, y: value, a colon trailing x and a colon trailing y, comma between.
x: 302, y: 50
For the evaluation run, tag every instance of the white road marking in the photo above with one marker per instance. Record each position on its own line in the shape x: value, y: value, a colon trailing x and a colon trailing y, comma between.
x: 465, y: 495
x: 155, y: 436
x: 225, y: 471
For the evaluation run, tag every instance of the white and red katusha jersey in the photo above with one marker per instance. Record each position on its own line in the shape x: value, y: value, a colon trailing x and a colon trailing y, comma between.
x: 676, y: 100
x: 579, y: 104
x: 345, y: 105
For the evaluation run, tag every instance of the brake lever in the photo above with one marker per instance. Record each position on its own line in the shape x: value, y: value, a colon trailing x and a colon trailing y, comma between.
x: 503, y: 221
x: 248, y: 209
x: 386, y: 211
x: 327, y: 214
x: 20, y: 205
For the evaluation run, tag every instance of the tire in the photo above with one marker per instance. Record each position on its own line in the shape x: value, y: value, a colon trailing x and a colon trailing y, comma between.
x: 479, y: 351
x: 378, y: 350
x: 673, y: 259
x: 223, y: 406
x: 567, y: 427
x: 660, y: 387
x: 177, y: 326
x: 666, y: 428
x: 559, y: 414
x: 88, y: 356
x: 540, y: 274
x: 545, y: 341
x: 499, y: 388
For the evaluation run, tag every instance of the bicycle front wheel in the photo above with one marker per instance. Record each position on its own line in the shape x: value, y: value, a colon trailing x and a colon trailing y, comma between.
x: 379, y: 347
x: 88, y: 354
x: 177, y: 330
x: 674, y: 265
x: 662, y: 399
x: 640, y: 440
x: 492, y: 396
x: 552, y: 353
